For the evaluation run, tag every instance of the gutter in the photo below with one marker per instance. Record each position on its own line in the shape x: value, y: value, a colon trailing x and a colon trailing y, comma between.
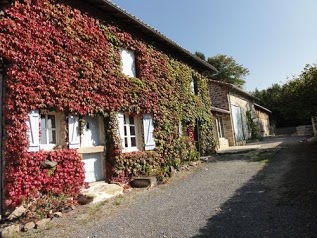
x: 216, y: 109
x: 263, y: 108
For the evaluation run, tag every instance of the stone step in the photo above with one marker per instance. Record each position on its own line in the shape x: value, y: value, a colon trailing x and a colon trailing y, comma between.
x: 98, y: 192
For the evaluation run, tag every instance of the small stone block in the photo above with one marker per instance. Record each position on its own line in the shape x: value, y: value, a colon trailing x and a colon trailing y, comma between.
x: 10, y: 231
x: 19, y: 211
x: 42, y: 223
x: 58, y: 214
x: 29, y: 226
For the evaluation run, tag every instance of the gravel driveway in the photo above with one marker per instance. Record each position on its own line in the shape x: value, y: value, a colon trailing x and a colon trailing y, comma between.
x: 239, y: 195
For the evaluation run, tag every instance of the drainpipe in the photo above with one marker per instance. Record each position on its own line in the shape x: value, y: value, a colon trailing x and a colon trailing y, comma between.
x: 198, y: 136
x: 1, y: 136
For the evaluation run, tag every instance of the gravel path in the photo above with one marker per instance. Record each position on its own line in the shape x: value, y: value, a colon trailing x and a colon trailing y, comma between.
x: 181, y: 208
x: 236, y: 196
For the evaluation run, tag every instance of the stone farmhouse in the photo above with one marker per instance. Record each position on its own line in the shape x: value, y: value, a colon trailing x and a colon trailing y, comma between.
x: 91, y: 93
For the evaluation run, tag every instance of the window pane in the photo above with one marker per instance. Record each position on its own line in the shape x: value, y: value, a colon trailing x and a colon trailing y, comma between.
x: 51, y: 137
x: 132, y: 130
x: 131, y: 120
x: 125, y: 119
x: 43, y: 135
x: 125, y: 131
x: 50, y: 121
x: 133, y: 142
x: 126, y: 143
x: 42, y: 121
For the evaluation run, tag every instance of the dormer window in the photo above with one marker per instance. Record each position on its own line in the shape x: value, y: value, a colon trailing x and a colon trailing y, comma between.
x: 128, y: 62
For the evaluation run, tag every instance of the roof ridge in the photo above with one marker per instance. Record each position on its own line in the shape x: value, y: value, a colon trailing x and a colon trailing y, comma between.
x: 157, y: 32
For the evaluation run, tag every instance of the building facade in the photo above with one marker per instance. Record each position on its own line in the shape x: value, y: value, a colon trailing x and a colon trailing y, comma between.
x: 237, y: 118
x: 98, y: 93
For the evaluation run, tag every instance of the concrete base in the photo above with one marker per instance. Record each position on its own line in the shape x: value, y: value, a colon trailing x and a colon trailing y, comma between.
x: 99, y: 191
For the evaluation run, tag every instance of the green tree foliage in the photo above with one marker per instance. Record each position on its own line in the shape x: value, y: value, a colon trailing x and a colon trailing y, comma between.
x: 229, y: 70
x: 200, y: 55
x: 294, y: 102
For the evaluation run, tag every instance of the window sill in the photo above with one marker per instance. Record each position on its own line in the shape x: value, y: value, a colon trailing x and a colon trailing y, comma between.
x: 92, y: 149
x: 132, y: 149
x: 47, y: 147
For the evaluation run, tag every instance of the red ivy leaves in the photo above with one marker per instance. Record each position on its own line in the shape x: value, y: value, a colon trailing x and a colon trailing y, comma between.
x: 25, y: 177
x: 60, y: 59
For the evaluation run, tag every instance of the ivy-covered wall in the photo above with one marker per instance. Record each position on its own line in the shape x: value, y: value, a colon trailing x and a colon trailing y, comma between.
x: 59, y: 59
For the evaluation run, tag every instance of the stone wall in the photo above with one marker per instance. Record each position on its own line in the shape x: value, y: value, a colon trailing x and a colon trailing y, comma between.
x: 306, y: 130
x: 228, y: 139
x: 229, y: 135
x: 219, y: 96
x: 264, y: 123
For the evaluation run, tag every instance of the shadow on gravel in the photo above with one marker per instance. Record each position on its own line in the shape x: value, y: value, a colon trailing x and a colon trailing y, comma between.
x: 280, y: 201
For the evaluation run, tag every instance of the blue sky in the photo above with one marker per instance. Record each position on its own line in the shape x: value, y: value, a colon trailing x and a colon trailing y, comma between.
x: 274, y: 39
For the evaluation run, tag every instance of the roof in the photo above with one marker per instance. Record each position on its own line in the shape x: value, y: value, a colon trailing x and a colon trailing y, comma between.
x: 108, y: 7
x: 232, y: 87
x: 262, y: 108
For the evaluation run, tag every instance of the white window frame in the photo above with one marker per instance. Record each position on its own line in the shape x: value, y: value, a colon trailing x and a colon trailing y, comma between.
x: 48, y: 146
x: 128, y: 62
x: 220, y: 126
x: 127, y: 133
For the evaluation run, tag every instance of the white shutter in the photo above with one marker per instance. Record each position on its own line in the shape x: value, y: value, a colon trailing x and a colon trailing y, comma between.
x: 33, y: 124
x: 148, y: 127
x: 192, y: 86
x: 121, y: 128
x: 180, y: 129
x: 128, y: 62
x: 73, y: 132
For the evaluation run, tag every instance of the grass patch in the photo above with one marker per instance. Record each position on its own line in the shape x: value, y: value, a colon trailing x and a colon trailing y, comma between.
x: 118, y: 200
x: 262, y: 156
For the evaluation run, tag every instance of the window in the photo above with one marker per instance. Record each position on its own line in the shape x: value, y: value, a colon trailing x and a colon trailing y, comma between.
x: 220, y: 127
x: 182, y: 129
x: 128, y: 62
x: 48, y: 129
x: 192, y: 86
x: 43, y: 129
x: 130, y: 132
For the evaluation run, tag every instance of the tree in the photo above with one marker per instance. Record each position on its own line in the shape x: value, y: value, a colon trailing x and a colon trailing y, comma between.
x: 200, y: 55
x: 295, y: 102
x: 228, y: 70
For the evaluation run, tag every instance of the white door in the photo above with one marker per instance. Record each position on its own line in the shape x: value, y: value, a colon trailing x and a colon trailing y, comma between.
x: 93, y: 165
x: 237, y: 123
x: 91, y: 132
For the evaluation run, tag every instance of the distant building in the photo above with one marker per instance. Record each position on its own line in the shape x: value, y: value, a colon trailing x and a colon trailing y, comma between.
x: 230, y: 106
